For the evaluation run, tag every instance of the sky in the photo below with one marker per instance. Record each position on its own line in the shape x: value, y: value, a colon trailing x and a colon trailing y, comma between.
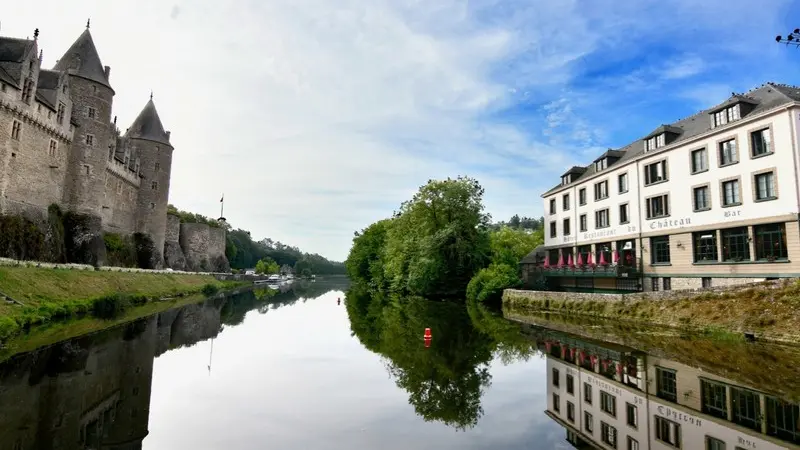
x: 316, y: 118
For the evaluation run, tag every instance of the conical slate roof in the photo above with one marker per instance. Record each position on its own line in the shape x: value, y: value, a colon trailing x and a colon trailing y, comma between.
x: 82, y: 60
x: 148, y: 126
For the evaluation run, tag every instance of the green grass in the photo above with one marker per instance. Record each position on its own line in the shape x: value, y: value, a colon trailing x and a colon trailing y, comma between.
x: 56, y: 294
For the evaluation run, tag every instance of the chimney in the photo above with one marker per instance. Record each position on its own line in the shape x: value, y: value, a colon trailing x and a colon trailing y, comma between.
x: 108, y: 71
x: 168, y: 133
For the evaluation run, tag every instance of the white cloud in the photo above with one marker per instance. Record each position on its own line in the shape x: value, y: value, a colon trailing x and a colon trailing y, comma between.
x: 317, y: 117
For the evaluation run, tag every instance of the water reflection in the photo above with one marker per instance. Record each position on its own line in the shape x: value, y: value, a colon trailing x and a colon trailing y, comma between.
x: 610, y: 395
x: 93, y: 391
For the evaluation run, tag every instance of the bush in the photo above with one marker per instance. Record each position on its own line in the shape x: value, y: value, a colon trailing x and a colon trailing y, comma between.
x: 488, y: 284
x: 120, y: 250
x: 20, y: 239
x: 8, y: 327
x: 210, y: 289
x: 110, y: 306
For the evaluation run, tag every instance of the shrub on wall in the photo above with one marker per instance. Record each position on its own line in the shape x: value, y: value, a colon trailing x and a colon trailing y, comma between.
x: 54, y: 235
x: 146, y: 255
x: 20, y: 239
x: 120, y: 250
x: 83, y: 242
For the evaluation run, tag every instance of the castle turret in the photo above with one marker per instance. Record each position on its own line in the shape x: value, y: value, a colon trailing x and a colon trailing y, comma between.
x: 92, y: 97
x: 151, y: 145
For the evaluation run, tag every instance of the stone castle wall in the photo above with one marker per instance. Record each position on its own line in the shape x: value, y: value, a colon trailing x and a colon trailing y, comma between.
x: 119, y: 203
x: 174, y: 257
x: 204, y: 247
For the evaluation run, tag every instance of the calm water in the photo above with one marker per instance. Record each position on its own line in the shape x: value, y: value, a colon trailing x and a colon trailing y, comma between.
x: 299, y: 371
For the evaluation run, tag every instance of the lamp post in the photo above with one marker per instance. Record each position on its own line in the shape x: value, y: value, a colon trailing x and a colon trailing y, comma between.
x: 792, y: 38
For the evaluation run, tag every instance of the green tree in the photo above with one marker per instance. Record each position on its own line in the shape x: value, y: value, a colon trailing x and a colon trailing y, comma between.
x: 510, y: 245
x: 438, y: 240
x: 267, y: 266
x: 365, y: 261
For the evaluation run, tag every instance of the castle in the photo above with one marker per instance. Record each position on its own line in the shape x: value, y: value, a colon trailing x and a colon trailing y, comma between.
x: 59, y: 145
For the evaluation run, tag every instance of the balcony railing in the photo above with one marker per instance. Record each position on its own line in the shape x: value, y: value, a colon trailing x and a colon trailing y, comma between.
x: 629, y: 269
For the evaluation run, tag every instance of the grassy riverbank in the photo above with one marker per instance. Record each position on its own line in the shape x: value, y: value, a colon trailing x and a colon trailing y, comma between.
x: 770, y: 311
x: 43, y: 295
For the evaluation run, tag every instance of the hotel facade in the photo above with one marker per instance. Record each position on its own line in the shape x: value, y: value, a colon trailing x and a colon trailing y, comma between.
x: 608, y: 396
x: 710, y: 200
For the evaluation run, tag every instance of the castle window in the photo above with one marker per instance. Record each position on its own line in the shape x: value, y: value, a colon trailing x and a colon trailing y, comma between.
x: 87, y: 168
x: 119, y: 186
x: 158, y: 166
x: 91, y: 112
x: 127, y: 157
x: 111, y: 152
x: 61, y: 112
x: 90, y: 140
x: 136, y: 166
x: 27, y: 91
x: 53, y: 149
x: 2, y: 87
x: 64, y: 89
x: 94, y: 89
x: 154, y: 185
x: 16, y: 130
x: 152, y: 206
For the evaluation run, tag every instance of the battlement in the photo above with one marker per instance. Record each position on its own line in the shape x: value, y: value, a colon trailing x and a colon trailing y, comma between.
x: 119, y: 169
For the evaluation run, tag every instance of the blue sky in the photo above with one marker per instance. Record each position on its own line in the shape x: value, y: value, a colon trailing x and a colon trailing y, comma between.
x: 316, y: 118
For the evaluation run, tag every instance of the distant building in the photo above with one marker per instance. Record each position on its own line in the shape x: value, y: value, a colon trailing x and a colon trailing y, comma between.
x: 709, y: 200
x: 60, y: 145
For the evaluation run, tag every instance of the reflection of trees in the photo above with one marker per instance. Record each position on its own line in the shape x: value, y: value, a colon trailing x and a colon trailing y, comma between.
x: 510, y: 344
x: 445, y: 381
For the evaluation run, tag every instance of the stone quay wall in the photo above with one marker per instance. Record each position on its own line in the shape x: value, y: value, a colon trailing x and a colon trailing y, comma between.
x: 204, y: 247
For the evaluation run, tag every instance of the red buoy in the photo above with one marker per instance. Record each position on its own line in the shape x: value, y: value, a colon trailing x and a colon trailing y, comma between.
x: 427, y: 342
x: 427, y: 333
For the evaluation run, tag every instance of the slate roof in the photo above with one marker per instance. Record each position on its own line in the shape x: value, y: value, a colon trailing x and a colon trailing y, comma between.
x: 575, y: 169
x: 535, y: 256
x: 664, y: 129
x: 764, y: 98
x: 82, y: 60
x: 148, y: 126
x: 47, y: 88
x: 12, y: 52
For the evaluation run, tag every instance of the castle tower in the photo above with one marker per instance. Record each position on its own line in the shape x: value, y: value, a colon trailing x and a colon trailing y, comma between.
x: 92, y: 97
x: 151, y: 145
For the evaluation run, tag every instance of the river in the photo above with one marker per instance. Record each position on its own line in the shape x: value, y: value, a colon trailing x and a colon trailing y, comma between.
x: 311, y: 369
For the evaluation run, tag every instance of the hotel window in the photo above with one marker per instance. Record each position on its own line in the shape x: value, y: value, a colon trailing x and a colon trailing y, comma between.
x: 699, y: 160
x: 730, y: 193
x: 770, y: 242
x: 601, y: 190
x: 53, y: 148
x: 622, y: 182
x: 556, y: 378
x: 588, y: 422
x: 667, y: 283
x: 765, y: 186
x: 654, y: 285
x: 16, y: 130
x: 746, y: 406
x: 783, y: 420
x: 761, y: 142
x: 584, y: 251
x: 655, y: 172
x: 601, y: 218
x: 714, y: 444
x: 566, y: 227
x: 631, y: 415
x: 714, y: 399
x: 62, y: 108
x: 702, y: 198
x: 668, y: 432
x: 582, y: 196
x: 657, y: 206
x: 666, y: 384
x: 727, y: 153
x: 601, y: 164
x: 623, y: 213
x: 706, y: 282
x: 587, y: 393
x: 556, y: 403
x: 552, y: 206
x: 570, y: 384
x: 659, y: 247
x: 705, y: 246
x: 582, y: 222
x: 726, y: 115
x: 735, y: 244
x: 608, y: 434
x: 565, y: 202
x: 633, y: 444
x: 608, y: 403
x: 553, y: 230
x: 656, y: 142
x: 90, y: 140
x: 571, y: 412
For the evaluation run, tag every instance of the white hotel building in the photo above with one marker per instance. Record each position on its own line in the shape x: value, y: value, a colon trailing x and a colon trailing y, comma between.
x: 709, y: 200
x: 655, y: 403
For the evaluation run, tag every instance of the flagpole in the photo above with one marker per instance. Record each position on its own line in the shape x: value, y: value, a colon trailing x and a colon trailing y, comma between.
x: 222, y: 206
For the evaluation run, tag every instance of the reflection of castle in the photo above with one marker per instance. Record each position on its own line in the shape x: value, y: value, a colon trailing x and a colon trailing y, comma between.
x: 610, y: 396
x: 93, y: 392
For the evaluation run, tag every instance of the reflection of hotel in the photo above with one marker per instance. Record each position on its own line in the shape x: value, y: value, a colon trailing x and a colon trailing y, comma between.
x: 612, y: 397
x: 709, y: 200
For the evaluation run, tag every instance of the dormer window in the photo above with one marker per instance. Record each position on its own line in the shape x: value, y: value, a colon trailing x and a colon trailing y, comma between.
x: 656, y: 142
x: 601, y: 164
x: 127, y: 157
x: 725, y: 116
x: 566, y: 179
